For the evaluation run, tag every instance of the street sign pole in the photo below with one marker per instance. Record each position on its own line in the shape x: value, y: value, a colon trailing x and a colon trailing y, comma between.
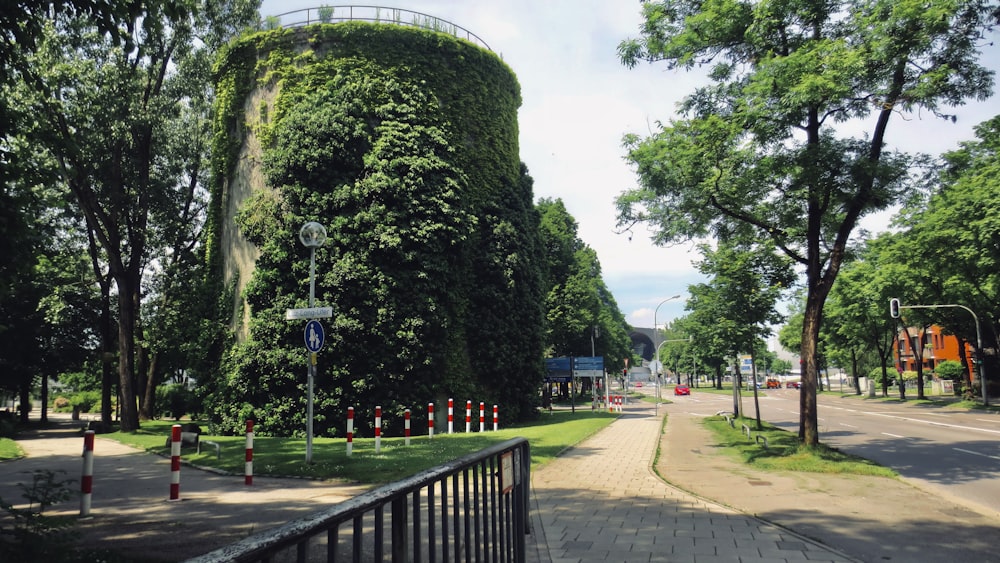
x: 312, y: 360
x: 311, y: 235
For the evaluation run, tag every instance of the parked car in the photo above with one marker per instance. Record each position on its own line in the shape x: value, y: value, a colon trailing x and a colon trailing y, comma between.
x: 793, y: 385
x: 682, y: 390
x: 638, y: 384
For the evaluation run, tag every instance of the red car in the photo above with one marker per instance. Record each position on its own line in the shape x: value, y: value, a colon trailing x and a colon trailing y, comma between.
x: 793, y: 385
x: 682, y: 390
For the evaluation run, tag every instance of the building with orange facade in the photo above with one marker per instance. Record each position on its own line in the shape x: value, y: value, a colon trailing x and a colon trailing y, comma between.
x: 937, y: 347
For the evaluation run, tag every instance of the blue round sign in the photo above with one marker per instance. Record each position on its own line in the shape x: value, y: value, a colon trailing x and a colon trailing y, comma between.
x: 314, y: 336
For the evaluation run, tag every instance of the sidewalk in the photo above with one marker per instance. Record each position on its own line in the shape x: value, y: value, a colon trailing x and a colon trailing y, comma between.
x: 601, y: 501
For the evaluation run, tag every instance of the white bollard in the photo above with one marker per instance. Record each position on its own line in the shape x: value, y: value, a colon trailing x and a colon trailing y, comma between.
x: 87, y: 480
x: 248, y: 468
x: 406, y: 425
x: 175, y: 462
x: 350, y: 430
x: 451, y: 416
x: 468, y: 416
x: 378, y: 430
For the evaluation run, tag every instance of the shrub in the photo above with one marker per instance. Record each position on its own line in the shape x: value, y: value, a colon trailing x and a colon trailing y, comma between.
x: 85, y: 401
x: 176, y: 400
x: 61, y: 404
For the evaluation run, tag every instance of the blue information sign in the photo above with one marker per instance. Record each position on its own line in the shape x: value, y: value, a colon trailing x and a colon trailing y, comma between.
x: 314, y: 336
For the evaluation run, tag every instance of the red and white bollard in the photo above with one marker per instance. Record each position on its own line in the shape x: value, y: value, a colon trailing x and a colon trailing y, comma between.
x: 378, y: 430
x: 496, y: 419
x: 430, y: 420
x: 482, y: 416
x: 451, y: 416
x: 350, y: 429
x: 406, y: 426
x: 87, y: 480
x: 175, y: 462
x: 468, y: 416
x: 248, y: 468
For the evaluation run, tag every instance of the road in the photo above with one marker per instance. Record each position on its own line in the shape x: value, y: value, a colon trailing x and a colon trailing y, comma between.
x: 952, y: 453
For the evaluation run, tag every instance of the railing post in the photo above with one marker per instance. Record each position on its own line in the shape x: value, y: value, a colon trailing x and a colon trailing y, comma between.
x: 400, y: 525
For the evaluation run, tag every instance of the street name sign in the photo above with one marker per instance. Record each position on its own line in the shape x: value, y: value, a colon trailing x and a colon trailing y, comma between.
x: 309, y: 313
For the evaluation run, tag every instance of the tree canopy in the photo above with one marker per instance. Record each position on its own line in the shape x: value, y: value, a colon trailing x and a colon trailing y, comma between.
x: 757, y: 151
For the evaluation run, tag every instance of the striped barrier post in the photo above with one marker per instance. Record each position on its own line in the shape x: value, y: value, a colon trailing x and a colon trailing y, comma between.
x: 406, y: 425
x: 87, y: 480
x: 350, y: 429
x: 378, y: 430
x: 482, y: 416
x: 430, y: 420
x: 468, y: 416
x: 248, y: 468
x: 175, y: 462
x: 496, y: 419
x: 451, y: 416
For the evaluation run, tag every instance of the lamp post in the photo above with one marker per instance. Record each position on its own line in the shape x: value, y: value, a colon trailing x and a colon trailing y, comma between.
x: 657, y: 335
x: 312, y: 235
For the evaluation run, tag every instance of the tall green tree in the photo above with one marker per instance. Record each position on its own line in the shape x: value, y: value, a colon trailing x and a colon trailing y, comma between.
x: 582, y: 316
x: 857, y: 312
x: 949, y: 244
x: 757, y: 150
x: 101, y: 106
x: 746, y: 282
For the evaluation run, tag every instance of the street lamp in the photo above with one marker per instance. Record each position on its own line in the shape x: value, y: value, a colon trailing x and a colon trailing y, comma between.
x: 656, y: 358
x: 312, y: 235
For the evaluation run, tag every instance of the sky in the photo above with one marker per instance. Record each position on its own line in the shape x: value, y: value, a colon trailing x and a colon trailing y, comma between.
x: 578, y: 101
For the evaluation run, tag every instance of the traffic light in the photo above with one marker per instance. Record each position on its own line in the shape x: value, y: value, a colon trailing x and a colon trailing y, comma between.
x: 894, y: 308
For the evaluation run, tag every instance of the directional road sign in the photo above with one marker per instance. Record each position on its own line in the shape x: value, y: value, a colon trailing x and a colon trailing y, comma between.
x: 314, y: 336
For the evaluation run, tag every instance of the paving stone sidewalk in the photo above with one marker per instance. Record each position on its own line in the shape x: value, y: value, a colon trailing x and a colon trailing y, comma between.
x: 601, y: 501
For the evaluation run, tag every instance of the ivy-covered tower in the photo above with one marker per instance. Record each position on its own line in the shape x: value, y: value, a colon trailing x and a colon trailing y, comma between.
x: 402, y: 142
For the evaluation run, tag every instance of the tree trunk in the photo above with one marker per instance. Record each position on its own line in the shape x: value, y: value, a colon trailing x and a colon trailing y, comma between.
x: 126, y: 357
x: 44, y: 417
x: 808, y: 415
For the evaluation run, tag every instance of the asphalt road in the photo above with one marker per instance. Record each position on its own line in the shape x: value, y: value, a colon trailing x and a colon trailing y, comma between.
x: 953, y: 453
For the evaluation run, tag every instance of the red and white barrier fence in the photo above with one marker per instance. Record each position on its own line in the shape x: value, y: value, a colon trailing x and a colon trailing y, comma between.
x: 248, y: 468
x: 482, y: 416
x: 87, y: 480
x: 175, y: 462
x: 496, y: 419
x: 430, y: 420
x: 350, y: 429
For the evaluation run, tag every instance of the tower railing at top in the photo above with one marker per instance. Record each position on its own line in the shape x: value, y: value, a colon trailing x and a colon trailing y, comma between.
x: 375, y: 14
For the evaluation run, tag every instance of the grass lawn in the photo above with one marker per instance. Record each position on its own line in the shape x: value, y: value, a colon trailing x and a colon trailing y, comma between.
x: 784, y: 453
x: 285, y: 457
x: 9, y: 449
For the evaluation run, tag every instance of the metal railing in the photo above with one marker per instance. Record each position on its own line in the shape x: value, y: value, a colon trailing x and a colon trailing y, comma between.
x: 376, y: 14
x: 474, y: 508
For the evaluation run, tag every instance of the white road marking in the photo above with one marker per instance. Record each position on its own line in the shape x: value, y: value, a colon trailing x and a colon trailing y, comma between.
x: 977, y: 453
x: 958, y: 426
x: 893, y: 435
x: 848, y: 425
